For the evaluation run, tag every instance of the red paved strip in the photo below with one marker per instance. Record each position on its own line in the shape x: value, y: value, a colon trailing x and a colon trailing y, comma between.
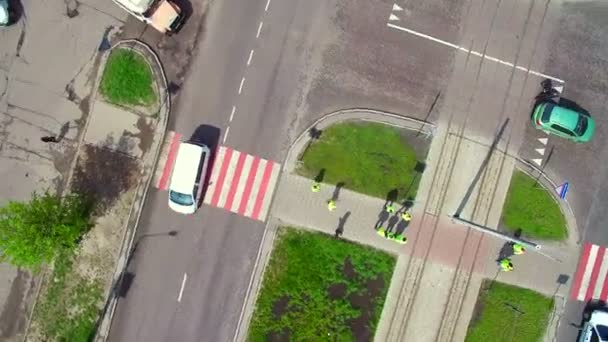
x: 595, y: 273
x: 235, y: 181
x: 580, y: 271
x: 222, y: 176
x: 249, y: 185
x: 164, y: 179
x: 262, y: 192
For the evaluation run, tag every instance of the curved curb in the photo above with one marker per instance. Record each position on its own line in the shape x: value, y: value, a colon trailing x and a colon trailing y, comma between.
x: 549, y: 185
x: 355, y: 114
x: 149, y: 162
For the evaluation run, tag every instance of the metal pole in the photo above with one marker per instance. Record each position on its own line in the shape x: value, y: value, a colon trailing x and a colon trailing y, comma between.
x: 493, y: 232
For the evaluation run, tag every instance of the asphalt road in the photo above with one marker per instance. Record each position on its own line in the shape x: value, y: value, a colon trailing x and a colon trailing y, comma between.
x: 312, y: 58
x: 309, y: 59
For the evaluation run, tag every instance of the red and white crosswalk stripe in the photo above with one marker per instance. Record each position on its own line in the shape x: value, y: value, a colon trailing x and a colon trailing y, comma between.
x: 166, y: 160
x: 242, y: 183
x: 590, y: 281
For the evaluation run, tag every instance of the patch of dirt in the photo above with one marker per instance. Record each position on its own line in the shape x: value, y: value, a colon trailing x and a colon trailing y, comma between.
x: 349, y: 269
x: 280, y: 306
x: 337, y: 291
x: 365, y: 301
x: 278, y: 336
x: 104, y: 174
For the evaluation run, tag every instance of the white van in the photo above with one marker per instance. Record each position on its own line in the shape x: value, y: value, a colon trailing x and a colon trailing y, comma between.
x: 164, y: 15
x: 188, y: 177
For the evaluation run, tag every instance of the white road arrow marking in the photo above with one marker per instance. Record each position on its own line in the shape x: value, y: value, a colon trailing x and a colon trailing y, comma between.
x: 560, y: 89
x: 543, y: 140
x: 393, y: 17
x: 537, y: 161
x: 397, y: 8
x: 541, y: 151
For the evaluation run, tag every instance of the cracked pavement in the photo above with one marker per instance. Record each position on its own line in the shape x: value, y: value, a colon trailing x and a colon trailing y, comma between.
x: 47, y: 69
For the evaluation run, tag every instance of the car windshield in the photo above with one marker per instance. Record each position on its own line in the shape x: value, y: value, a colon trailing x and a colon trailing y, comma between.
x: 581, y: 125
x: 602, y: 330
x: 181, y: 199
x: 547, y: 112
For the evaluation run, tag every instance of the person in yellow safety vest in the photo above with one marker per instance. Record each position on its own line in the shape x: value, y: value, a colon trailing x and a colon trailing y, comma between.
x: 518, y: 249
x: 506, y: 265
x: 400, y: 238
x: 406, y: 216
x: 316, y: 187
x: 390, y: 208
x: 331, y: 205
x: 382, y: 232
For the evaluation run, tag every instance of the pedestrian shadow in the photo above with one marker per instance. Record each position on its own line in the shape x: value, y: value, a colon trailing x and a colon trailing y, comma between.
x: 320, y: 176
x: 63, y: 131
x: 401, y: 226
x: 337, y: 189
x: 506, y: 251
x: 382, y: 217
x: 341, y: 223
x: 392, y: 222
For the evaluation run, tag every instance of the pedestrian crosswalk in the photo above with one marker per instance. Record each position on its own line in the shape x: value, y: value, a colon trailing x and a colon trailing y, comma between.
x: 591, y: 278
x: 242, y: 183
x: 239, y: 182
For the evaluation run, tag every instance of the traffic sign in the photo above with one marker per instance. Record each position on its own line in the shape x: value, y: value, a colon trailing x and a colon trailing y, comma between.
x: 562, y: 190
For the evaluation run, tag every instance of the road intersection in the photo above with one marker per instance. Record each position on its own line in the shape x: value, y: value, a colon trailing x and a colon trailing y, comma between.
x: 260, y: 72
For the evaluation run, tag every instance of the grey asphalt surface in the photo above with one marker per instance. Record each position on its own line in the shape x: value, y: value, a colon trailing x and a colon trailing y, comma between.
x: 284, y: 91
x: 312, y: 58
x: 578, y: 53
x: 46, y: 59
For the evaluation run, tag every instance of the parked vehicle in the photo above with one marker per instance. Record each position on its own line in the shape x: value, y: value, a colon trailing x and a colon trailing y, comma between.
x: 164, y: 15
x: 595, y: 328
x: 563, y: 122
x: 188, y: 177
x: 5, y: 13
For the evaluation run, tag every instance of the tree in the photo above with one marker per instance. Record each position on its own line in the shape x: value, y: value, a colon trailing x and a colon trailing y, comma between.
x: 31, y: 233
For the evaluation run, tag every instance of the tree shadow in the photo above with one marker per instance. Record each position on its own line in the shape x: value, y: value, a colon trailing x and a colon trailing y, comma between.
x: 102, y: 173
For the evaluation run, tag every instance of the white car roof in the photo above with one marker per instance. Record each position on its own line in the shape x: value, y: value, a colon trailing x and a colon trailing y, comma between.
x: 185, y: 170
x: 599, y: 317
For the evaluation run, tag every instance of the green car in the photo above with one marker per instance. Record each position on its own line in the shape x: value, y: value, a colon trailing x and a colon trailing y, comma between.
x: 563, y: 122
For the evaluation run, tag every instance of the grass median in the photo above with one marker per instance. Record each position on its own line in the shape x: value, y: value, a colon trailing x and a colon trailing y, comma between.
x: 69, y: 309
x: 509, y: 313
x: 317, y: 287
x: 369, y: 158
x: 127, y: 79
x: 531, y: 208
